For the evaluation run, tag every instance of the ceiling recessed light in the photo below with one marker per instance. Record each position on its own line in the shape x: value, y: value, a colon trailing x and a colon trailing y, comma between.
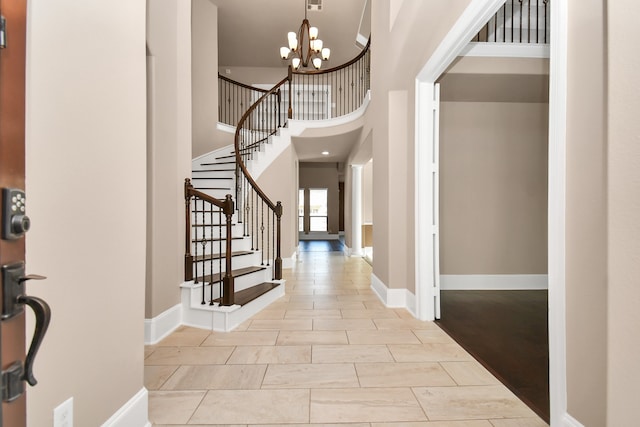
x: 325, y: 153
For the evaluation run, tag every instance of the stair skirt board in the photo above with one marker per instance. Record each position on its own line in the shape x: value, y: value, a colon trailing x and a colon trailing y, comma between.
x: 225, y: 318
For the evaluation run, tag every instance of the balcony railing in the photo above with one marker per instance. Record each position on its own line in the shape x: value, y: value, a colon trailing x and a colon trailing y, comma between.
x: 518, y: 21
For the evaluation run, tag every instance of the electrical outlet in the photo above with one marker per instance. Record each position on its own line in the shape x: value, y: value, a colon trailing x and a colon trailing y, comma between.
x: 63, y: 414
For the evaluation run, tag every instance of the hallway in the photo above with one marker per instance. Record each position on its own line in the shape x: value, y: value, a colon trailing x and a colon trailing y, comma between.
x: 329, y: 353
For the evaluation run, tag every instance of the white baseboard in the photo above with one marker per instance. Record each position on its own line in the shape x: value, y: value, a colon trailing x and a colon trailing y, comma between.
x: 393, y: 298
x: 134, y: 413
x: 569, y: 421
x: 493, y: 281
x: 289, y: 262
x: 162, y: 325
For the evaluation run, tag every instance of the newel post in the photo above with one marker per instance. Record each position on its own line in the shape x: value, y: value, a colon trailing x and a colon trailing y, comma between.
x: 228, y: 287
x: 290, y: 78
x: 278, y: 261
x: 188, y: 257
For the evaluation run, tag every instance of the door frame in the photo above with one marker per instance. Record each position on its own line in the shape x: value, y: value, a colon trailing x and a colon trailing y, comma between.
x: 472, y: 19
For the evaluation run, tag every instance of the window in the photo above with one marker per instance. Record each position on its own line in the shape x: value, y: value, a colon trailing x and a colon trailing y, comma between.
x: 301, y: 209
x: 318, y: 209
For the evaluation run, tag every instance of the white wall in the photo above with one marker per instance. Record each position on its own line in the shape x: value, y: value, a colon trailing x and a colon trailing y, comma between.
x: 85, y: 160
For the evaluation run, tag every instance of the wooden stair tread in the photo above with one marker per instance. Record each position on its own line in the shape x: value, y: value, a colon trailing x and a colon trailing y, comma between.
x: 217, y: 277
x: 218, y: 256
x: 207, y: 170
x: 212, y: 225
x: 212, y: 177
x: 245, y: 296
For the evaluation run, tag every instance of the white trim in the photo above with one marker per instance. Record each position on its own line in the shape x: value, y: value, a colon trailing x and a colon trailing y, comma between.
x: 556, y: 216
x: 393, y: 298
x: 162, y: 325
x: 569, y: 421
x: 493, y: 281
x: 289, y: 262
x: 506, y: 50
x: 226, y: 128
x: 361, y: 40
x: 134, y: 413
x: 477, y: 13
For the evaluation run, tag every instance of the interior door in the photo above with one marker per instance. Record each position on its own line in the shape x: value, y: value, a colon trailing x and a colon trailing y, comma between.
x: 16, y: 368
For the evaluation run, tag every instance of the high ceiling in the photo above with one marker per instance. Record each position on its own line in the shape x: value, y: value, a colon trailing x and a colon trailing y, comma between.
x: 251, y: 31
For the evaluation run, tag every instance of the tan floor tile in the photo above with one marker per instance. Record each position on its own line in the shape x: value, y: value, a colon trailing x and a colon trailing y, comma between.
x: 216, y: 377
x: 364, y: 295
x: 351, y: 353
x: 271, y: 354
x: 433, y: 336
x: 472, y: 423
x: 189, y: 356
x: 382, y: 337
x: 253, y: 407
x: 313, y: 298
x: 374, y: 305
x: 155, y: 376
x: 429, y: 353
x: 343, y: 324
x: 469, y: 373
x: 310, y: 376
x: 282, y: 305
x: 241, y: 338
x: 188, y: 337
x: 335, y: 292
x: 403, y: 375
x: 199, y: 425
x: 313, y: 314
x: 369, y: 314
x: 315, y: 425
x: 519, y: 422
x: 269, y: 314
x: 173, y: 407
x: 403, y: 324
x: 475, y: 402
x: 312, y: 337
x: 281, y: 325
x: 148, y: 351
x: 300, y: 292
x: 364, y: 405
x: 353, y: 305
x: 403, y: 313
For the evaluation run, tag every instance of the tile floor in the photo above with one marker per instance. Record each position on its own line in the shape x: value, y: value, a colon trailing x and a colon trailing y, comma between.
x: 327, y: 354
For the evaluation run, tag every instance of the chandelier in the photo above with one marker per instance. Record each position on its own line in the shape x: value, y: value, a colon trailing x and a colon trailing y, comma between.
x: 305, y: 48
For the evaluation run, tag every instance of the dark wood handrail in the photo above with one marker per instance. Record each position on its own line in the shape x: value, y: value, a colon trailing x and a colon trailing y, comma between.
x: 239, y: 160
x: 237, y: 83
x: 222, y: 204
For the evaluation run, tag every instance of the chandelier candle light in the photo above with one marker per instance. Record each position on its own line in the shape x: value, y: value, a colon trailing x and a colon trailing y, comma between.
x: 305, y: 47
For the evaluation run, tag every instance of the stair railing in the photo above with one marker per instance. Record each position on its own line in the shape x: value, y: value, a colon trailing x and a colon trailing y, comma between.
x: 204, y: 228
x: 518, y: 21
x: 234, y: 98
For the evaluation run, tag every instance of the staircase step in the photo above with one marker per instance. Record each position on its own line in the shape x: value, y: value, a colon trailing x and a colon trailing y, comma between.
x: 232, y: 156
x: 218, y: 164
x: 211, y: 177
x: 218, y: 256
x: 207, y: 170
x: 217, y: 277
x: 245, y: 296
x: 212, y: 188
x: 212, y: 225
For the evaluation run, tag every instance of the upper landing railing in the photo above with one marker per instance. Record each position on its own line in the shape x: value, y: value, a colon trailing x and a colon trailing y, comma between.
x: 518, y: 21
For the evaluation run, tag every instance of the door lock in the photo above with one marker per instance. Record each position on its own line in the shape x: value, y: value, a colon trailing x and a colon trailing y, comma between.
x: 15, y: 222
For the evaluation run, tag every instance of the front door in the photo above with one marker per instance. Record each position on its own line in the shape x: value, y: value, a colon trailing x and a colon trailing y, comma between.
x: 16, y: 369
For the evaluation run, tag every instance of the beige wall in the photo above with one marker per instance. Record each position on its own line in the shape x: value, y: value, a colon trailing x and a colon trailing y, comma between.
x: 586, y: 224
x: 367, y: 193
x: 278, y: 181
x: 400, y: 53
x: 493, y: 188
x: 204, y: 87
x: 169, y: 149
x: 623, y: 224
x: 254, y: 75
x: 323, y: 175
x: 86, y: 187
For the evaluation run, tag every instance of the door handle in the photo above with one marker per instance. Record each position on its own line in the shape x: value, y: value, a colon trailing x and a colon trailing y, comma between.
x: 14, y: 300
